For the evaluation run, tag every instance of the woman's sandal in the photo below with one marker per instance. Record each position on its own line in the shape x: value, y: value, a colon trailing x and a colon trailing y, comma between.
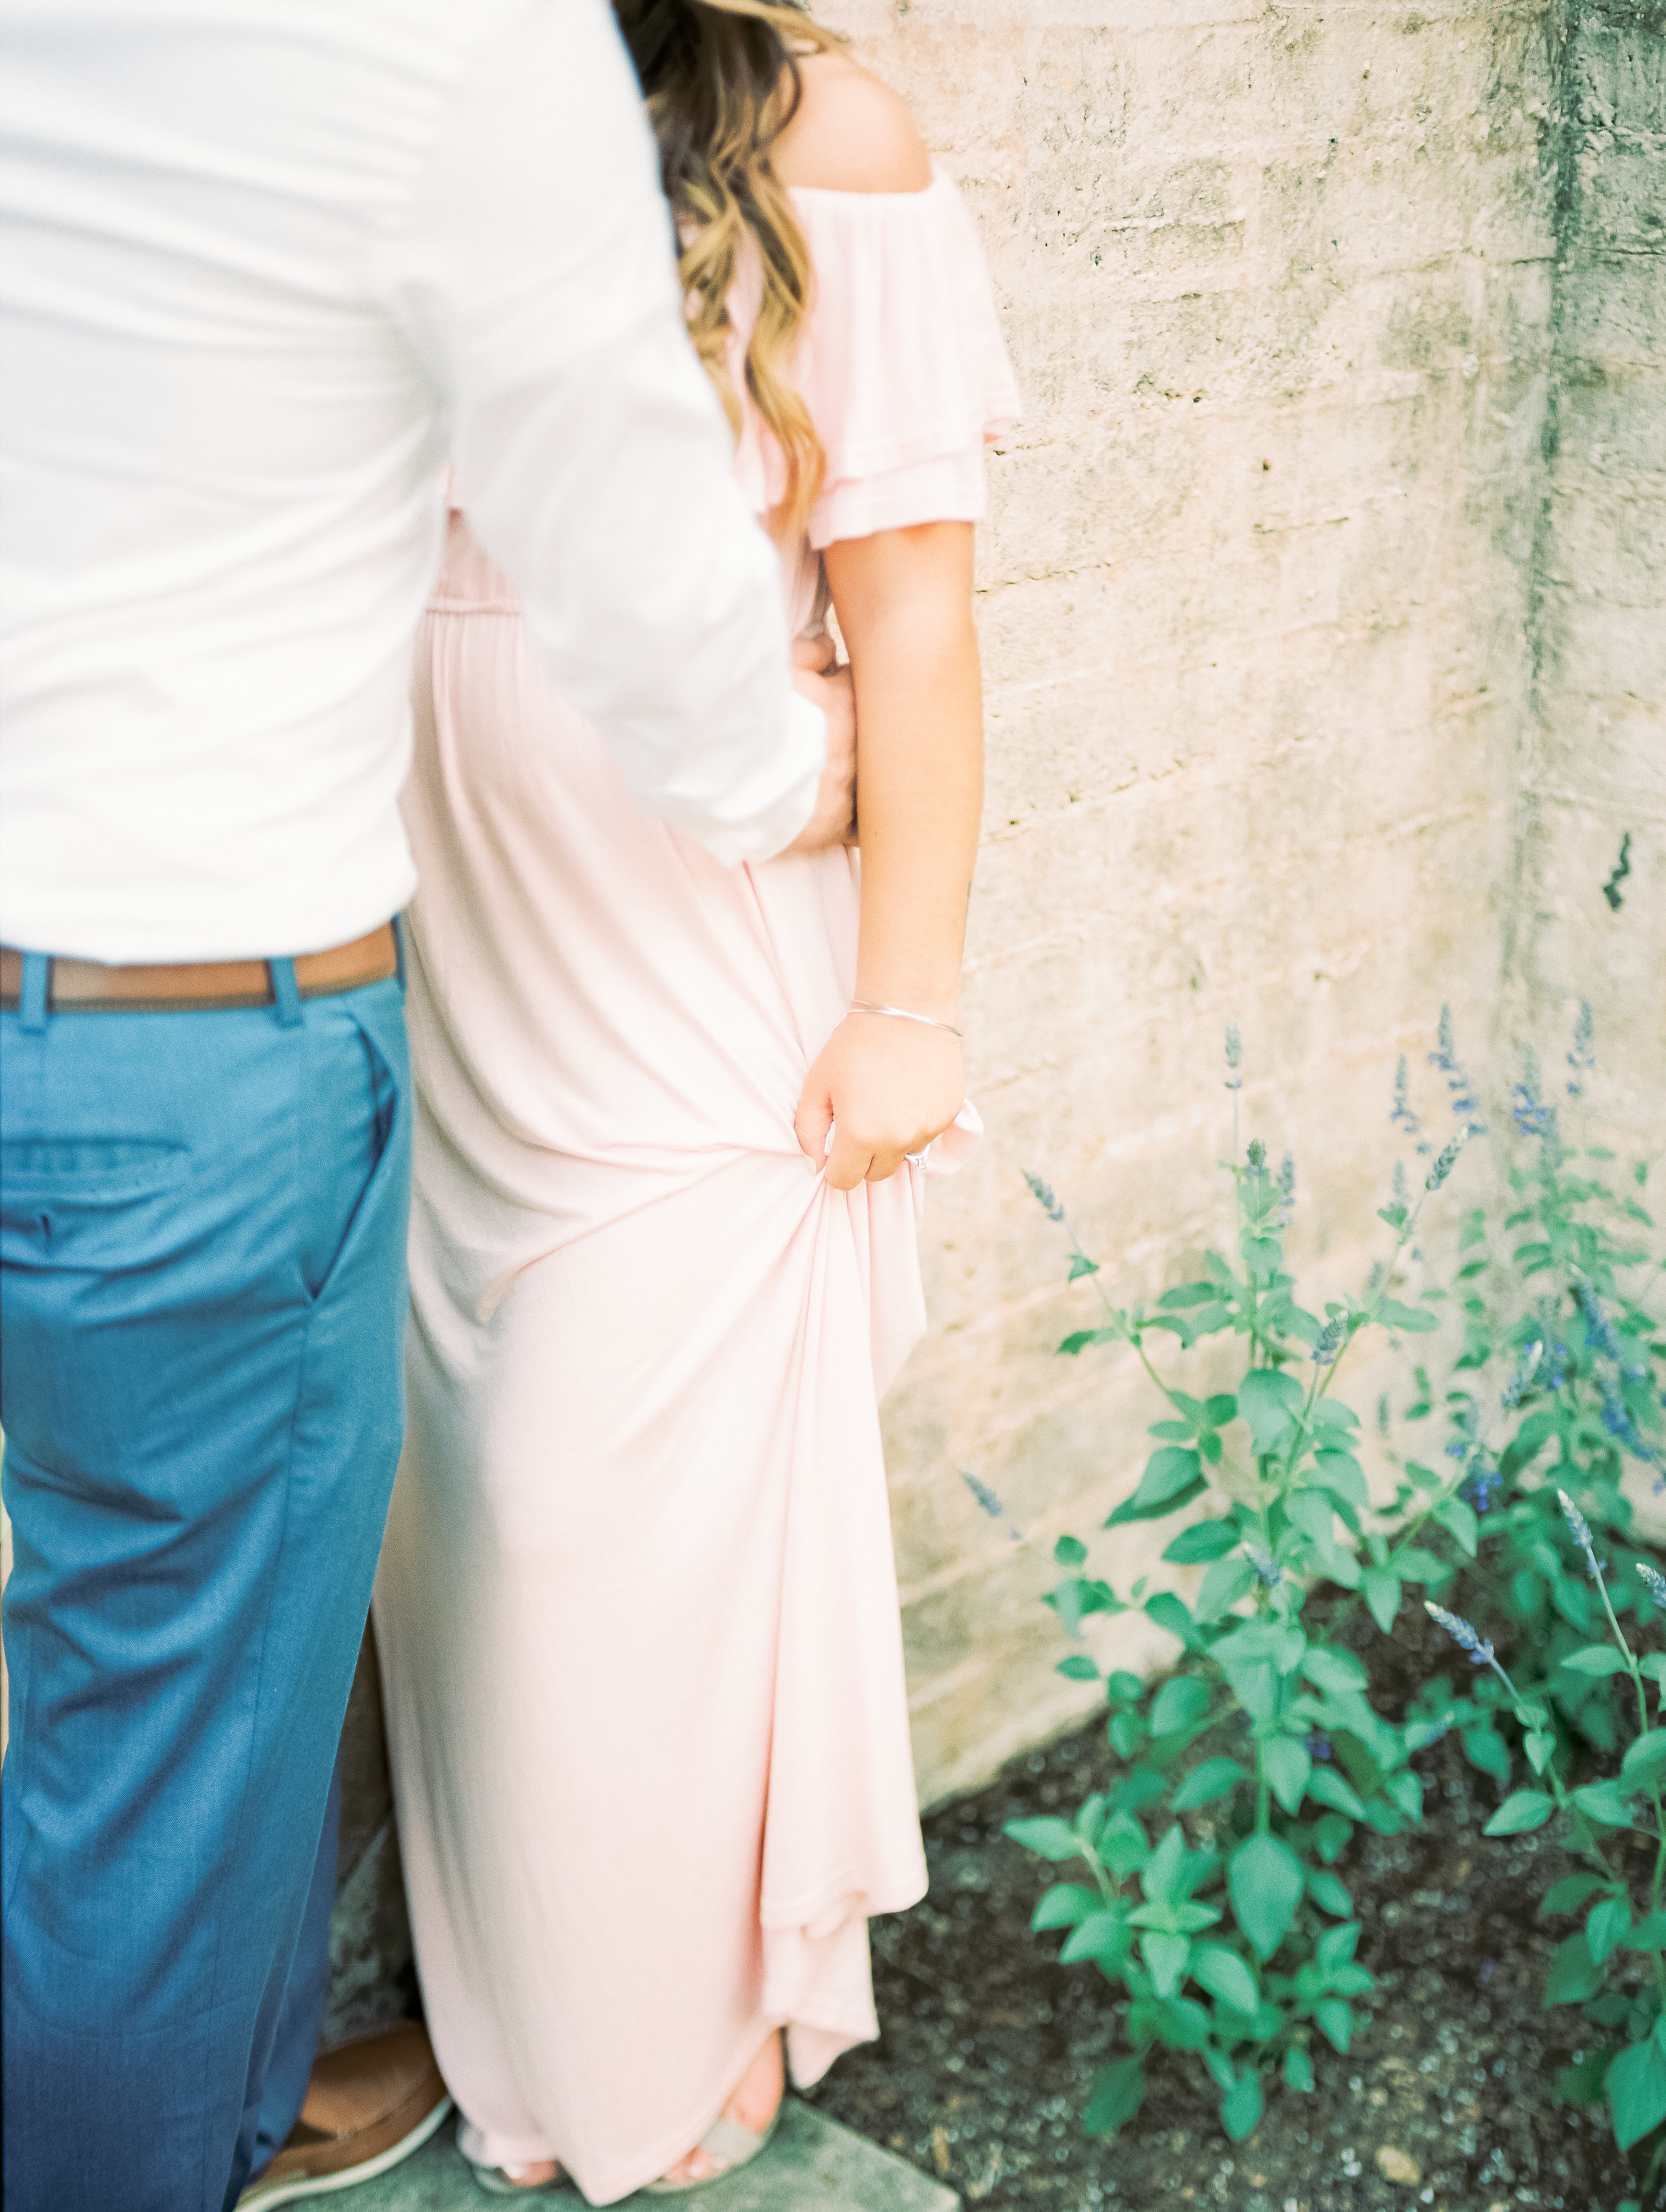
x: 726, y: 2141
x: 500, y: 2181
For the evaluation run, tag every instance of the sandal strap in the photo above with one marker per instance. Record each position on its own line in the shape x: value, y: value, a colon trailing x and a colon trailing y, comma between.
x: 728, y: 2140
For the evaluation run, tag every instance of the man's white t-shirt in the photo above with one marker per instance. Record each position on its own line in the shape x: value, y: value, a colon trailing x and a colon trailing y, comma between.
x: 265, y: 264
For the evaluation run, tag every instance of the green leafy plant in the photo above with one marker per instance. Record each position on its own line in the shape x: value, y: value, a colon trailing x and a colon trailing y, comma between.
x: 1559, y: 1291
x: 1240, y: 1951
x: 1613, y: 1966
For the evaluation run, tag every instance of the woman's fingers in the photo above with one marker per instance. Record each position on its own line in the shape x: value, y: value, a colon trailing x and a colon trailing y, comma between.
x: 814, y: 1118
x: 884, y: 1089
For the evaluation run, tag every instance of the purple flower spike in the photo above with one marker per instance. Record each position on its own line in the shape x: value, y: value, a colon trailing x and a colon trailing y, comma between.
x: 1582, y: 1535
x: 1043, y: 1194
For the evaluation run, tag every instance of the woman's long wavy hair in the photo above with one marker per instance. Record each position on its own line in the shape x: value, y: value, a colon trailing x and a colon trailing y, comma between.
x: 721, y: 81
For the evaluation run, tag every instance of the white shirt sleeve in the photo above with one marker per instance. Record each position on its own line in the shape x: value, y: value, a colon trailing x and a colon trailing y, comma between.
x: 537, y: 276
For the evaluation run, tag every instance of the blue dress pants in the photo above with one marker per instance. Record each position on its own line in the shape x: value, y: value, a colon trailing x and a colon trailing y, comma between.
x: 202, y: 1234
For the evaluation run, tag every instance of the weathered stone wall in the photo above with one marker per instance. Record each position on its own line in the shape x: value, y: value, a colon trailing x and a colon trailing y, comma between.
x: 1591, y: 771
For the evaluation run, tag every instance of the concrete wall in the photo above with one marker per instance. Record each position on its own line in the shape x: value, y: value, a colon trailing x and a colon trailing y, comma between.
x: 1591, y: 762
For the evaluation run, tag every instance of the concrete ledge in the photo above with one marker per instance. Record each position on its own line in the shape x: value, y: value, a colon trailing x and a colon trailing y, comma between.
x: 813, y: 2164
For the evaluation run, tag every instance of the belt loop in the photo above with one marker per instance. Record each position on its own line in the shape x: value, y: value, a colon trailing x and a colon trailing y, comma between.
x: 399, y: 949
x: 286, y: 999
x: 34, y: 992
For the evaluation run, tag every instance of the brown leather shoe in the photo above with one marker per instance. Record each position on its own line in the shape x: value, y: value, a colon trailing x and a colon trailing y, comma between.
x: 368, y: 2104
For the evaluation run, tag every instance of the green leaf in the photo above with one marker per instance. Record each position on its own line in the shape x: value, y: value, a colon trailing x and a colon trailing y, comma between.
x: 1458, y: 1519
x: 1485, y: 1748
x: 1336, y: 1947
x: 1262, y: 1255
x: 1606, y: 1803
x: 1049, y: 1838
x: 1527, y: 1593
x: 1173, y: 1477
x: 1382, y: 1589
x: 1203, y: 1540
x: 1332, y: 1835
x: 1182, y: 1700
x: 1264, y: 1880
x: 1298, y: 2069
x: 1064, y: 1906
x: 1222, y: 2072
x: 1599, y: 1660
x: 1132, y: 1509
x: 1241, y: 2107
x: 1526, y: 1445
x: 1335, y: 2020
x: 1525, y: 1809
x: 1636, y: 2087
x: 1643, y: 1761
x: 1104, y: 1936
x: 1164, y: 1879
x: 1582, y: 2084
x: 1270, y: 1401
x: 1649, y: 1935
x: 1080, y: 1339
x: 1224, y: 1584
x: 1224, y: 1974
x: 1287, y: 1765
x: 1329, y: 1894
x: 1570, y: 1893
x: 1415, y: 1320
x: 1118, y: 2093
x: 1069, y: 1551
x: 1122, y: 1845
x: 1331, y: 1669
x: 1573, y: 1976
x: 1328, y: 1787
x: 1609, y: 1920
x: 1140, y: 1785
x: 1078, y: 1667
x: 1166, y: 1957
x: 1214, y: 1779
x: 1173, y: 1613
x: 1417, y: 1566
x: 1342, y: 1475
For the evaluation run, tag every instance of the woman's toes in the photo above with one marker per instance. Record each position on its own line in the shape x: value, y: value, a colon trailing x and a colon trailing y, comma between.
x: 698, y: 2165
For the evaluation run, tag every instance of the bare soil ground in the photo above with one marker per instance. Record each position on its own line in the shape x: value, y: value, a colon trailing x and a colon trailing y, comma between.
x: 1445, y: 2100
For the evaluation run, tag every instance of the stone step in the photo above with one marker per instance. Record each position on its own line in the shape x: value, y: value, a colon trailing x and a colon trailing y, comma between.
x: 814, y: 2165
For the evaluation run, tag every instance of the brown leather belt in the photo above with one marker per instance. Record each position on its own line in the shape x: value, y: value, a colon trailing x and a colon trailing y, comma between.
x: 88, y: 986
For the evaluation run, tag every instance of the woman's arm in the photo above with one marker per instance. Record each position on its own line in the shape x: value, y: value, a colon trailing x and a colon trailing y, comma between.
x: 904, y: 598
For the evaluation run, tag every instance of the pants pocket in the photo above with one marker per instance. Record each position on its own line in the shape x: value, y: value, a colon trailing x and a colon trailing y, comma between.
x: 351, y: 1128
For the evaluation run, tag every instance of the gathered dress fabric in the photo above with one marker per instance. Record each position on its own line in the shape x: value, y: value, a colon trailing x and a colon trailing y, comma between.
x: 636, y: 1607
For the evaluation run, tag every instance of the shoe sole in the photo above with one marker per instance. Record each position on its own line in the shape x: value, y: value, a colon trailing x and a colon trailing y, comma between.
x: 325, y: 2184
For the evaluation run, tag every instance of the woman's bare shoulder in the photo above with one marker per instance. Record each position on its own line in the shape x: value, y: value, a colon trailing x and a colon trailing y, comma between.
x: 851, y: 133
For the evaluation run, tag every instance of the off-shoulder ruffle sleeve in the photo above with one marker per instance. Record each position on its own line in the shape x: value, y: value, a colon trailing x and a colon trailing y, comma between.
x: 904, y: 369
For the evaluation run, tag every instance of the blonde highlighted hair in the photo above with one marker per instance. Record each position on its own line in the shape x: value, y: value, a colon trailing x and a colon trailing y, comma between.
x: 721, y: 81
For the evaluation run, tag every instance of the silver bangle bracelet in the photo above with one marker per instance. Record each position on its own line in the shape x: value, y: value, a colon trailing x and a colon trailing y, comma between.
x: 901, y: 1014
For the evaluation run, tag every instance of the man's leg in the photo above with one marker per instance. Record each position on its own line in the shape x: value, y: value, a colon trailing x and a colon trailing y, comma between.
x: 203, y: 1219
x: 296, y: 2043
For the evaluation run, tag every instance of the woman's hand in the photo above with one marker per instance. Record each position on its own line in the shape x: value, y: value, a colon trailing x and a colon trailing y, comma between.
x: 885, y: 1088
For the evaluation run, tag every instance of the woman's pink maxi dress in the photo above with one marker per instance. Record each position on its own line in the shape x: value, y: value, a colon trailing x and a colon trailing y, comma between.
x: 637, y: 1608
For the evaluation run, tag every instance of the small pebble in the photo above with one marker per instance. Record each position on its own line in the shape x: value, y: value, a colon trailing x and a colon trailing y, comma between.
x: 1396, y: 2165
